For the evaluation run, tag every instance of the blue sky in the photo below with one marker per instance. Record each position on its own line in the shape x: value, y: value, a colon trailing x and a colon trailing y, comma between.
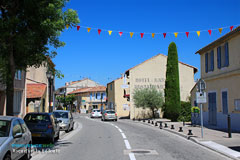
x: 103, y: 58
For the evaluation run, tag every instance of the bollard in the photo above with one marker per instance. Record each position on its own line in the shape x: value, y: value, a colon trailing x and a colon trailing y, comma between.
x: 149, y: 121
x: 172, y: 126
x: 180, y: 129
x: 143, y: 120
x: 160, y: 126
x: 152, y: 122
x: 183, y: 123
x: 165, y: 125
x: 139, y: 119
x: 133, y: 119
x: 190, y: 132
x: 156, y: 124
x: 229, y: 126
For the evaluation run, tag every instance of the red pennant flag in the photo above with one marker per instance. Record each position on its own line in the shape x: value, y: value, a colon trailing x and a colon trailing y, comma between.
x: 120, y: 33
x: 164, y: 35
x: 231, y: 28
x: 210, y: 32
x: 99, y: 31
x: 78, y: 27
x: 187, y: 33
x: 142, y: 35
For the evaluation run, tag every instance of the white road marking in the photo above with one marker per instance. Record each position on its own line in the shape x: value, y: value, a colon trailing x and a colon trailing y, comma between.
x: 127, y: 144
x: 124, y: 136
x: 131, y: 156
x: 120, y: 130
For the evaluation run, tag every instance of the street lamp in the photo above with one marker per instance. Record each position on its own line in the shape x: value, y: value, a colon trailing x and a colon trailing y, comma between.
x: 50, y: 79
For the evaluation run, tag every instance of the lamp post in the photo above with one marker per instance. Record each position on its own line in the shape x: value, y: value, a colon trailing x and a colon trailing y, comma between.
x: 50, y: 79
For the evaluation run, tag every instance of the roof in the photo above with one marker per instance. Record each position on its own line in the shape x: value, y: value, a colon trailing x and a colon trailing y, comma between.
x: 195, y: 69
x: 89, y: 89
x: 73, y: 82
x: 220, y: 40
x: 66, y: 111
x: 115, y: 80
x: 36, y: 90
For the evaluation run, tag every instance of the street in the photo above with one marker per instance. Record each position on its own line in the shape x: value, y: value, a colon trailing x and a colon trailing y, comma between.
x: 93, y: 139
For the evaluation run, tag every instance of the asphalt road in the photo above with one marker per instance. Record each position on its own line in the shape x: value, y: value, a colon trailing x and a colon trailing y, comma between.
x: 93, y: 139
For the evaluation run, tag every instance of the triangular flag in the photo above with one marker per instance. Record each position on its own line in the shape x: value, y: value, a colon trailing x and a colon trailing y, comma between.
x: 131, y: 34
x: 78, y: 27
x: 67, y: 26
x: 153, y: 34
x: 220, y: 30
x: 187, y: 33
x: 231, y: 28
x: 210, y: 32
x: 142, y: 35
x: 198, y: 33
x: 110, y: 32
x: 99, y: 31
x: 176, y: 33
x: 88, y: 29
x: 164, y: 35
x: 120, y: 33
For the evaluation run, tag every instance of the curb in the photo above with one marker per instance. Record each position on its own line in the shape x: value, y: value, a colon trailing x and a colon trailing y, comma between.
x: 192, y: 139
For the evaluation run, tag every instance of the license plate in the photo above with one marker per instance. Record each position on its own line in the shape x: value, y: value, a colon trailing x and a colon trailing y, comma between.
x: 36, y: 135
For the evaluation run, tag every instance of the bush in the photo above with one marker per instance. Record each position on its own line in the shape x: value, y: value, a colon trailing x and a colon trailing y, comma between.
x: 185, y: 113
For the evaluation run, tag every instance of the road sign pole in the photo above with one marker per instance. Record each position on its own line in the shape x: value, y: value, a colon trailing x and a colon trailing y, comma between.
x: 201, y: 119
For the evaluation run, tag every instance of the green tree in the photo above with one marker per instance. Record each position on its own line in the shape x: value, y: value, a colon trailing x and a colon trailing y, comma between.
x: 172, y: 92
x: 30, y: 31
x: 148, y: 98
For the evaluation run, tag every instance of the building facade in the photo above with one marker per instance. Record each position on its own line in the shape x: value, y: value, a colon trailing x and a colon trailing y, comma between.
x: 19, y: 108
x: 220, y: 69
x: 152, y: 73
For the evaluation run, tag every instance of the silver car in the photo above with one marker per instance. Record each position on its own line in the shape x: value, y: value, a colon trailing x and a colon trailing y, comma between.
x: 109, y: 115
x: 65, y: 120
x: 15, y: 139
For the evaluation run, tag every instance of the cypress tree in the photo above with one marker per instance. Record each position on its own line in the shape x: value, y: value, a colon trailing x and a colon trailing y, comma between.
x: 172, y: 91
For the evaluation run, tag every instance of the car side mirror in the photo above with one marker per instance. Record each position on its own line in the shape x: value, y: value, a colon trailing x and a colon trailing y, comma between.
x: 18, y: 135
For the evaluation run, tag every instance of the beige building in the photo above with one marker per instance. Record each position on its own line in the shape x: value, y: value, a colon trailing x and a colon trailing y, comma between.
x: 152, y: 72
x: 116, y: 100
x: 220, y: 69
x: 90, y: 98
x: 19, y: 108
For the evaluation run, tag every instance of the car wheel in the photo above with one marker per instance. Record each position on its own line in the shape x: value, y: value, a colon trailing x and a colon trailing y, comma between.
x: 28, y: 156
x: 7, y: 157
x: 68, y: 129
x: 72, y: 127
x: 115, y: 119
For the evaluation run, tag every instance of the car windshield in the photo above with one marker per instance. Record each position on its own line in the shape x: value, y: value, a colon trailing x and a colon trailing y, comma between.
x: 4, y: 128
x: 111, y: 112
x: 60, y: 114
x: 36, y: 118
x: 96, y: 111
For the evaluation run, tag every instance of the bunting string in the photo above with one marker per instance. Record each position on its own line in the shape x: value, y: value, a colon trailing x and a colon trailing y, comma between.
x: 164, y: 34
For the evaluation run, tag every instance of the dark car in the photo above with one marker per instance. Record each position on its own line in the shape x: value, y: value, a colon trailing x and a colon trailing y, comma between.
x: 43, y: 126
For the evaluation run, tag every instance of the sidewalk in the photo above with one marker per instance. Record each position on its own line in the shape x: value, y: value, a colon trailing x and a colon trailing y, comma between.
x: 213, y: 139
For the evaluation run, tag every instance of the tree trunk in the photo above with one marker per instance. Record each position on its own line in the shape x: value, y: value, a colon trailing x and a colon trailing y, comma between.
x: 153, y: 112
x: 10, y: 84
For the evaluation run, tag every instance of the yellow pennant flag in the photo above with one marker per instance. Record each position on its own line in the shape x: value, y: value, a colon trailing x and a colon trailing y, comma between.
x: 88, y: 29
x: 176, y: 34
x: 198, y: 33
x: 110, y: 32
x: 67, y: 26
x: 153, y: 34
x: 131, y: 34
x: 220, y: 30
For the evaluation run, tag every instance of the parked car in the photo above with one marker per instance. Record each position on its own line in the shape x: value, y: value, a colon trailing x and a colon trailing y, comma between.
x: 43, y: 126
x: 65, y: 119
x: 96, y: 113
x: 109, y: 115
x: 15, y: 139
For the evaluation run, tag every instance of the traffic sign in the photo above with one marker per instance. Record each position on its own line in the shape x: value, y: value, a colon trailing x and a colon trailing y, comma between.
x: 201, y: 85
x: 201, y: 97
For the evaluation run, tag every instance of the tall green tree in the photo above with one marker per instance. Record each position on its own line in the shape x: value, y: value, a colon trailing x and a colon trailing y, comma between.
x: 30, y: 31
x: 172, y: 92
x: 149, y: 98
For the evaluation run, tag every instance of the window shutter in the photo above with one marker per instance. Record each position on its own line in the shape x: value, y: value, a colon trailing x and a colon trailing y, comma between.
x: 219, y: 57
x: 226, y: 55
x: 90, y: 96
x: 224, y: 103
x: 212, y: 60
x: 206, y: 62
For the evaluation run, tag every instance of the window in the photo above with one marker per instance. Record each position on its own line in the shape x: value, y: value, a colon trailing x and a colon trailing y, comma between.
x: 24, y: 127
x: 224, y: 102
x: 223, y: 56
x: 17, y: 102
x: 98, y: 95
x: 16, y: 128
x: 237, y: 104
x: 18, y: 75
x: 90, y: 96
x: 110, y: 86
x: 209, y: 61
x: 103, y: 95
